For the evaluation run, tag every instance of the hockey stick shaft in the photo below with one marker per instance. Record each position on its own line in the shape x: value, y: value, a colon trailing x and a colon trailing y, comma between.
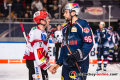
x: 23, y: 32
x: 75, y: 62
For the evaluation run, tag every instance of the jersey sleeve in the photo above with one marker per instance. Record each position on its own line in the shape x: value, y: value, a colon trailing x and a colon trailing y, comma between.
x: 30, y: 38
x: 107, y: 35
x: 31, y: 35
x: 117, y: 38
x: 113, y: 38
x: 88, y: 39
x: 96, y: 36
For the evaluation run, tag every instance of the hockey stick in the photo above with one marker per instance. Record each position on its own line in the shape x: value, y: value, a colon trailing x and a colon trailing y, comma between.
x: 35, y: 65
x: 23, y: 32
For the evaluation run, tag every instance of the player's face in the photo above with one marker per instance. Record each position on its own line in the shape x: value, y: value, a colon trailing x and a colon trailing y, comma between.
x: 101, y: 26
x: 59, y: 27
x: 67, y: 15
x: 48, y: 21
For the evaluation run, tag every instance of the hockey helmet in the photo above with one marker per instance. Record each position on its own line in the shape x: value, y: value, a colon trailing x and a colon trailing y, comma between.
x: 71, y: 7
x: 110, y: 28
x: 103, y: 23
x: 39, y: 15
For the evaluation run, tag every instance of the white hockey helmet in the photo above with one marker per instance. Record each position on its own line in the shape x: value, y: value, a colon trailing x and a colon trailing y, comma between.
x: 71, y: 7
x: 103, y: 23
x: 110, y: 28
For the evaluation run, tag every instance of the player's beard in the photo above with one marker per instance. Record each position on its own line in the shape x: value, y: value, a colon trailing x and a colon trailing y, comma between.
x: 68, y: 19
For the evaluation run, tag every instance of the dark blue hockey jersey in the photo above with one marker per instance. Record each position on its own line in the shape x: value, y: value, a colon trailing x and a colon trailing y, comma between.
x: 80, y: 36
x: 104, y: 41
x: 112, y: 40
x: 116, y: 35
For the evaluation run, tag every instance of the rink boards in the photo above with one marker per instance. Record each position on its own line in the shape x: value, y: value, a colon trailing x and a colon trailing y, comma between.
x: 12, y: 52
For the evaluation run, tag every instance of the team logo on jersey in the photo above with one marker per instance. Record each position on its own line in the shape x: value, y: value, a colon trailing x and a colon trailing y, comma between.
x: 72, y: 74
x: 74, y: 29
x: 39, y: 53
x: 43, y: 37
x: 103, y: 30
x: 62, y: 78
x: 86, y: 30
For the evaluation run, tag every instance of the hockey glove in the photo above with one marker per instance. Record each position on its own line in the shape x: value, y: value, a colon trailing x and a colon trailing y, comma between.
x: 76, y: 56
x: 102, y: 35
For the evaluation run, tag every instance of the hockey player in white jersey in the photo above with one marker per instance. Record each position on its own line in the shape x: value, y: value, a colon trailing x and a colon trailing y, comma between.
x: 102, y: 37
x: 111, y: 45
x: 38, y: 45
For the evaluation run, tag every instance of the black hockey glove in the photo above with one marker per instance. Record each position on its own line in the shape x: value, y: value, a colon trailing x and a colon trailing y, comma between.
x: 76, y: 56
x: 102, y: 35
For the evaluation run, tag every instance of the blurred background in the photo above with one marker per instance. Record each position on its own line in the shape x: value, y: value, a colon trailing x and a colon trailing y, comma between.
x: 12, y: 12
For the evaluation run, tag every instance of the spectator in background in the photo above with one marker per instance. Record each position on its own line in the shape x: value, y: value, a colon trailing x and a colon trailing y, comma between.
x: 24, y: 4
x: 17, y: 8
x: 27, y: 17
x: 55, y: 3
x: 4, y: 9
x: 45, y: 8
x: 37, y: 4
x: 1, y: 1
x: 52, y: 4
x: 54, y: 12
x: 34, y: 9
x: 45, y: 4
x: 28, y: 10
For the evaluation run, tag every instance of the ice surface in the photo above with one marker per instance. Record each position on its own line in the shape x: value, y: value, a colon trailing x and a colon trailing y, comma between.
x: 20, y: 72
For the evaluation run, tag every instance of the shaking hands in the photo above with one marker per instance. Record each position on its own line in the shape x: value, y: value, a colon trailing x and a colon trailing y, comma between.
x: 53, y: 68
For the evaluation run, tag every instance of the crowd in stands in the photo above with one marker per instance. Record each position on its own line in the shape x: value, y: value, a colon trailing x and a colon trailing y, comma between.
x: 23, y: 10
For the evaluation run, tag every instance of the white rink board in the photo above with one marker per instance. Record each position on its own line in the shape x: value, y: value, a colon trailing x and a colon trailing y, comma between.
x: 16, y: 51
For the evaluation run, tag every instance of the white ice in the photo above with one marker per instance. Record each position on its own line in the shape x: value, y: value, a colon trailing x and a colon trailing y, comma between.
x: 20, y: 72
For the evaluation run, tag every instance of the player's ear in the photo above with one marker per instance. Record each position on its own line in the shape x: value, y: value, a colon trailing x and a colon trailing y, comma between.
x: 73, y: 13
x: 42, y: 21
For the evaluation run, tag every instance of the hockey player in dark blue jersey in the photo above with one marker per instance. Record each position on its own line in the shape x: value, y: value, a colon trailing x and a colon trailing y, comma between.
x: 102, y: 37
x: 77, y: 38
x: 116, y: 35
x: 111, y: 45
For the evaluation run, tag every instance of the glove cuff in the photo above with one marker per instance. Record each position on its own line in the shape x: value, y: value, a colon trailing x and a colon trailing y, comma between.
x: 80, y: 53
x: 59, y: 63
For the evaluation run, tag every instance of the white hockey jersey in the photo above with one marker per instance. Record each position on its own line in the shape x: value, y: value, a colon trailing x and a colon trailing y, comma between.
x: 38, y: 41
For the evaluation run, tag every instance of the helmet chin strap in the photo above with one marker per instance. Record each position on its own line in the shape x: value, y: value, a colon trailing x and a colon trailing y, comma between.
x: 43, y: 24
x: 71, y: 19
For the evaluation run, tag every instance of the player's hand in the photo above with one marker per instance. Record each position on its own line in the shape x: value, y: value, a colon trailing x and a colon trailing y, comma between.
x: 55, y: 41
x: 52, y: 69
x: 56, y: 66
x: 116, y: 46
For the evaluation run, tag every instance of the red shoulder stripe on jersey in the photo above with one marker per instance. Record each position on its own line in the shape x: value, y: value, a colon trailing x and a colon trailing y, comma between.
x: 64, y: 27
x: 79, y: 25
x: 33, y: 42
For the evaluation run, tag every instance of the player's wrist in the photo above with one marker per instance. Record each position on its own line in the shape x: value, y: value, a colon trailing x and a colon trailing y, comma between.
x: 60, y: 64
